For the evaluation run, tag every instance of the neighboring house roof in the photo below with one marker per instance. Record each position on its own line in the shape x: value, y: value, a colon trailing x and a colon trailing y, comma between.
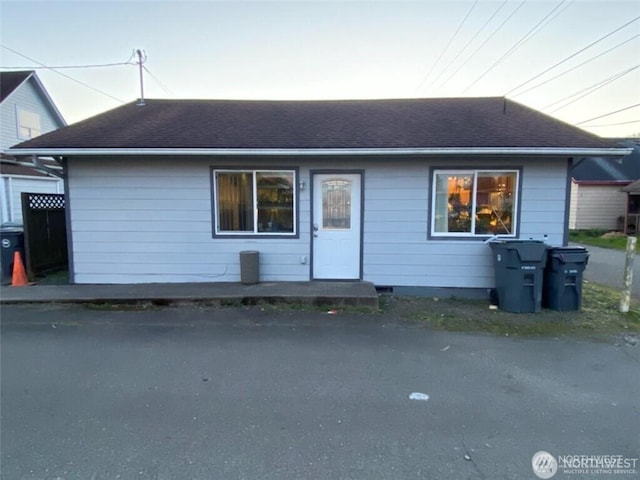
x: 599, y: 170
x: 445, y: 125
x: 17, y: 169
x: 10, y: 81
x: 632, y: 187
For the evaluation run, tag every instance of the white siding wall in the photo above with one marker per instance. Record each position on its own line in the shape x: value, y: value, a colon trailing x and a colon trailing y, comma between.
x: 150, y: 221
x: 12, y: 187
x: 596, y: 206
x: 26, y: 96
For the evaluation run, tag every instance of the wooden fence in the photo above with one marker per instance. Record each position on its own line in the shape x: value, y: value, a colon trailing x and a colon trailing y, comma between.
x: 45, y: 233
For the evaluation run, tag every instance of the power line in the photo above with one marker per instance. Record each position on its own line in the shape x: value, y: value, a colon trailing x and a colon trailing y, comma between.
x: 590, y: 89
x: 611, y: 124
x: 61, y: 67
x: 162, y: 85
x: 573, y: 55
x: 469, y: 42
x: 449, y: 43
x: 517, y: 45
x: 496, y: 30
x: 608, y: 114
x: 63, y: 74
x: 577, y: 66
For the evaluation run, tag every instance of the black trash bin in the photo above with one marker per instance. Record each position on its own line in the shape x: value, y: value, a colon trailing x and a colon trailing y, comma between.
x: 11, y: 241
x: 563, y: 278
x: 519, y: 269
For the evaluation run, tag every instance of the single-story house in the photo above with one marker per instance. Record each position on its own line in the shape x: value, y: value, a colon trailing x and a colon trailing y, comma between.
x: 597, y: 198
x: 402, y: 192
x: 26, y: 111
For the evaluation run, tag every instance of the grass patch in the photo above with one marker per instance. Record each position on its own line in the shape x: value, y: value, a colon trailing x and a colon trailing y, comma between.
x: 599, y: 316
x: 600, y: 238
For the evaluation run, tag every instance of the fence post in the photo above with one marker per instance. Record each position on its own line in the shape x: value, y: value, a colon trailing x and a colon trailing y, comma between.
x: 625, y: 300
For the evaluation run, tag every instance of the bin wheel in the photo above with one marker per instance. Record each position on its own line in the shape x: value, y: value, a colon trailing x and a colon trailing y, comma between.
x: 493, y: 297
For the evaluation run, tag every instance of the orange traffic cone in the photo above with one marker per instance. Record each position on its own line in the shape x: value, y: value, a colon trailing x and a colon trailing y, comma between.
x: 19, y: 278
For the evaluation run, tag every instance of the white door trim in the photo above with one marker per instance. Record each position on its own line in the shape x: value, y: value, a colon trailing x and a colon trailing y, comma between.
x: 356, y: 268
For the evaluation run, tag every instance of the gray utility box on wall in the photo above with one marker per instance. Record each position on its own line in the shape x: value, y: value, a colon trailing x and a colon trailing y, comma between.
x: 11, y: 241
x: 519, y: 268
x: 563, y: 278
x: 249, y: 267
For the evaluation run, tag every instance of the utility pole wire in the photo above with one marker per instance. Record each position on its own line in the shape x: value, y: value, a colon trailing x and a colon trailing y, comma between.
x: 449, y: 43
x: 590, y: 89
x: 611, y: 124
x: 468, y: 43
x: 517, y: 45
x: 485, y: 42
x: 577, y: 66
x: 162, y: 85
x: 573, y: 55
x: 608, y: 114
x: 64, y: 75
x: 62, y: 67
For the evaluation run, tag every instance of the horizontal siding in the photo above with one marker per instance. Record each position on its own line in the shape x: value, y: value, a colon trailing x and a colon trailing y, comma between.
x: 598, y: 206
x: 150, y: 221
x: 27, y: 97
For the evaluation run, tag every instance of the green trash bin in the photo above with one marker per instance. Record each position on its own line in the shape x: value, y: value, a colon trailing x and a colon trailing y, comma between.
x: 519, y: 269
x: 563, y: 278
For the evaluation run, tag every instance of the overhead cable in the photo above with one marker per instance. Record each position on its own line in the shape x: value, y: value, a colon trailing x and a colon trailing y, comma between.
x: 609, y: 114
x: 573, y: 55
x: 63, y: 74
x: 590, y: 89
x: 577, y: 66
x: 455, y: 34
x: 496, y: 30
x: 500, y: 7
x: 517, y: 45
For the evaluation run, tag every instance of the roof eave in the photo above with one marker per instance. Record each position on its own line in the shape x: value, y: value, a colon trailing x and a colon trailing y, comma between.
x: 547, y: 151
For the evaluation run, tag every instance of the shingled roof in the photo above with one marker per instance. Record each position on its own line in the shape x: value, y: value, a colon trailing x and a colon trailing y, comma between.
x: 9, y: 81
x: 492, y: 122
x: 599, y: 170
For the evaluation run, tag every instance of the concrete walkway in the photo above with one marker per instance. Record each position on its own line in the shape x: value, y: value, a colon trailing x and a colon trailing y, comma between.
x: 329, y: 293
x: 606, y: 267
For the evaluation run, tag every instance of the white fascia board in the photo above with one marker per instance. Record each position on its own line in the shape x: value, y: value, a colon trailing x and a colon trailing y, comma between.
x: 83, y: 152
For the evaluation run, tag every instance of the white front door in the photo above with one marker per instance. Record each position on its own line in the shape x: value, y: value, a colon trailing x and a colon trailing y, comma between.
x: 336, y: 230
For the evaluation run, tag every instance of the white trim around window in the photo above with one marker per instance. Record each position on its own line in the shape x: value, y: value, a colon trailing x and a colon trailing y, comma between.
x: 254, y: 202
x: 471, y: 203
x: 27, y: 123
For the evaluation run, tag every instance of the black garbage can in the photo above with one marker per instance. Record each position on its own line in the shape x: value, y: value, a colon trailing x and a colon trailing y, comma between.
x: 11, y: 241
x: 563, y: 278
x: 519, y: 269
x: 249, y: 267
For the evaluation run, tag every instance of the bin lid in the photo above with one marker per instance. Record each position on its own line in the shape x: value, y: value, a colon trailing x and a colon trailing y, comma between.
x: 570, y: 254
x: 528, y: 250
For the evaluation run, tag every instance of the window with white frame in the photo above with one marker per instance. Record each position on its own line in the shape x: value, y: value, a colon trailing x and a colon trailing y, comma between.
x: 28, y: 124
x: 254, y: 202
x: 468, y: 203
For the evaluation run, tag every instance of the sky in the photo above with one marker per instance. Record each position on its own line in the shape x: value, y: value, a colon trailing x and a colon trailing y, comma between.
x: 576, y: 60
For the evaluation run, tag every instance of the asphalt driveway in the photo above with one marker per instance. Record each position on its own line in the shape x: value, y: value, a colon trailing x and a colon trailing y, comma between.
x: 195, y: 393
x: 606, y: 267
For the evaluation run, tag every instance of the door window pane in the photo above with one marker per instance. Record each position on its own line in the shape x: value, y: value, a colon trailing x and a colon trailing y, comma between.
x: 336, y: 204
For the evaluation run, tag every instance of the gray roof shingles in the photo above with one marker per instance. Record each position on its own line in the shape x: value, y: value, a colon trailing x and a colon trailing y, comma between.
x: 9, y: 81
x: 257, y: 124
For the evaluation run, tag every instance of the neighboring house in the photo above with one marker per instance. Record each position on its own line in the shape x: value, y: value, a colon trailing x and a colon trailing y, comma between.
x: 597, y: 199
x: 402, y: 193
x: 26, y: 111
